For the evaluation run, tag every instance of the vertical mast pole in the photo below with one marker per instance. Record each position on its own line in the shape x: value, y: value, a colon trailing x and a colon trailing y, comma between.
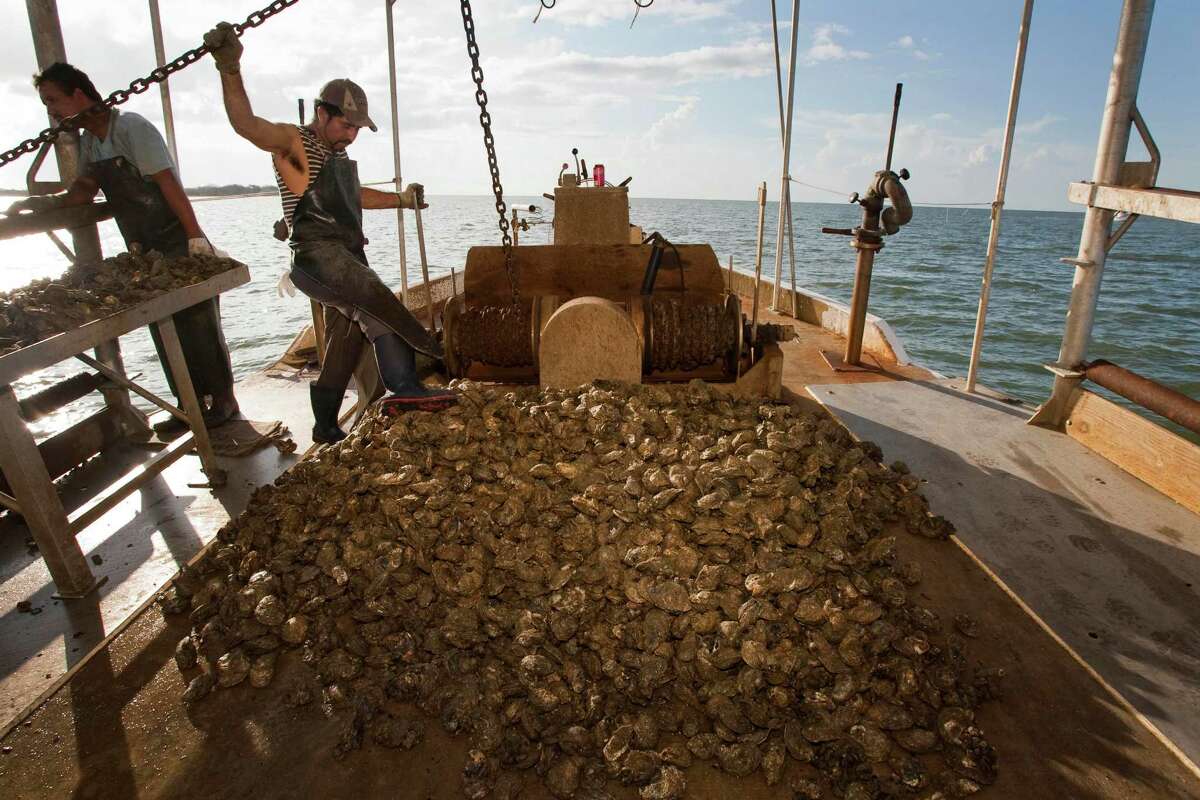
x: 1014, y: 98
x: 1128, y: 58
x: 788, y: 198
x: 784, y: 192
x: 164, y: 90
x: 391, y: 37
x: 762, y: 210
x: 48, y: 48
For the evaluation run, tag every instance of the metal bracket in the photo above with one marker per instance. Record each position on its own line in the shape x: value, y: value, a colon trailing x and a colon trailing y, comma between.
x: 1075, y: 262
x: 1061, y: 372
x: 1121, y: 230
x: 1148, y: 140
x: 32, y: 184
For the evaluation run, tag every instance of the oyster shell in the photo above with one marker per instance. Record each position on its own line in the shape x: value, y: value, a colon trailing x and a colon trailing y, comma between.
x: 602, y: 584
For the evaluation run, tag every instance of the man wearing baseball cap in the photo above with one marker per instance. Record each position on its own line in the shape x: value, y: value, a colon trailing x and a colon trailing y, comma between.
x: 323, y: 203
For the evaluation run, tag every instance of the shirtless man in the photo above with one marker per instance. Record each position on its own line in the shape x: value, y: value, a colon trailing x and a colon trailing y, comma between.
x: 323, y: 203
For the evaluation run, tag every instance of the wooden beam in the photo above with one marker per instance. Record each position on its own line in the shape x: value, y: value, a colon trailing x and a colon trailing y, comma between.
x: 49, y: 400
x: 1149, y: 452
x: 136, y: 478
x: 61, y: 346
x: 191, y: 404
x: 1173, y: 204
x: 57, y: 219
x: 68, y: 449
x: 121, y: 380
x: 43, y: 512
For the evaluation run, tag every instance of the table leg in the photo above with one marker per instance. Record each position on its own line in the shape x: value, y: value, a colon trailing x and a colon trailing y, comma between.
x: 134, y: 421
x: 43, y: 511
x: 191, y: 404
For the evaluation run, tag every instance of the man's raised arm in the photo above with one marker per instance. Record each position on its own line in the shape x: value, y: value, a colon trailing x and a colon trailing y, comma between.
x: 226, y: 51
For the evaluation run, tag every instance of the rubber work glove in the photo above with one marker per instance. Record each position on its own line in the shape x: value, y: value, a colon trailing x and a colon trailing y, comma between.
x: 285, y: 285
x: 222, y: 41
x: 37, y: 203
x: 413, y: 194
x: 200, y: 247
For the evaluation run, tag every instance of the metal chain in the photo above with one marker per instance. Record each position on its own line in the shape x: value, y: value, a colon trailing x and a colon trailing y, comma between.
x: 489, y: 143
x: 139, y: 85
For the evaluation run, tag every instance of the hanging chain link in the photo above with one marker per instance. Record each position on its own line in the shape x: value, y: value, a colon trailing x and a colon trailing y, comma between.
x: 489, y: 143
x: 140, y: 85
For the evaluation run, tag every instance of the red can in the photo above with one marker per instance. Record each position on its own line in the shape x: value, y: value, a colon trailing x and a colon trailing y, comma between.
x: 597, y: 174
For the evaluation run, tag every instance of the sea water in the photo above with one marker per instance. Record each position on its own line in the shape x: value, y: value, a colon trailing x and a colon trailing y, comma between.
x: 925, y: 284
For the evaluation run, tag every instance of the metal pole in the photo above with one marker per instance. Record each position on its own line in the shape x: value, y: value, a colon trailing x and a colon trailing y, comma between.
x: 788, y: 197
x: 762, y: 211
x: 164, y: 90
x: 424, y: 263
x: 48, y: 48
x: 787, y: 152
x: 858, y: 301
x: 892, y: 134
x: 1014, y: 97
x: 1128, y: 57
x: 391, y: 37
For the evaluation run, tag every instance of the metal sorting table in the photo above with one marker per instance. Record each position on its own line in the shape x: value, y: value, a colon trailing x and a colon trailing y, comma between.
x: 34, y: 495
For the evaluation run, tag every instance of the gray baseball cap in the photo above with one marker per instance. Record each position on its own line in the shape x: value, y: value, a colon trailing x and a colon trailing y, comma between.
x: 350, y: 98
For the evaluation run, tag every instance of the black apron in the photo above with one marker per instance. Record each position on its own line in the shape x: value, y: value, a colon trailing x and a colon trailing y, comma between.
x: 145, y: 219
x: 327, y: 247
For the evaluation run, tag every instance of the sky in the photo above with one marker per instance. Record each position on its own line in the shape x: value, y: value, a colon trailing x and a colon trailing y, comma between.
x: 684, y: 101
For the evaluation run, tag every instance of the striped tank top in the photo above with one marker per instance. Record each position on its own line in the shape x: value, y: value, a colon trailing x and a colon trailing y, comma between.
x: 316, y: 152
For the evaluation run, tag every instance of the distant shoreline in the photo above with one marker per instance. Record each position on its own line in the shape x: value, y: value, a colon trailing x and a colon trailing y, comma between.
x: 236, y: 189
x: 192, y: 191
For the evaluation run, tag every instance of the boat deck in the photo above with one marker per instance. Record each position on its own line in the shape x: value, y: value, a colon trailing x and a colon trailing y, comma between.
x: 117, y: 728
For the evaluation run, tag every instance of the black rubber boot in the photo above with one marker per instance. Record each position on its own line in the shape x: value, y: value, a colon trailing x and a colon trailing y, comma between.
x: 398, y: 368
x: 326, y: 403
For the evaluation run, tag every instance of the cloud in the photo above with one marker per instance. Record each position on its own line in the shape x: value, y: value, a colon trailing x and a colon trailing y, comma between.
x: 981, y: 154
x: 824, y: 48
x: 669, y: 122
x: 745, y: 59
x: 907, y: 42
x: 1038, y: 125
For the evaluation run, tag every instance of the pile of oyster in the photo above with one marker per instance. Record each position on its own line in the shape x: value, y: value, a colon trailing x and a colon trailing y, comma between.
x: 94, y: 290
x: 600, y: 587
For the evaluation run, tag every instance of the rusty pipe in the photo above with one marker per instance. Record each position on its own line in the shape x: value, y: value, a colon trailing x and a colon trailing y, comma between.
x: 1150, y: 395
x: 901, y: 212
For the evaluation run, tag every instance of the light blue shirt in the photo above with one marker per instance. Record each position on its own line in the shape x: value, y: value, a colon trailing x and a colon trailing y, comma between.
x: 129, y: 135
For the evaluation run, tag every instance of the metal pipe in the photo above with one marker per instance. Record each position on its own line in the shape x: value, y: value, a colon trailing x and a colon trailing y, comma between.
x: 989, y: 264
x: 391, y: 37
x: 424, y: 263
x: 892, y: 134
x: 858, y: 301
x: 762, y: 211
x: 788, y: 196
x: 1128, y: 58
x: 787, y: 152
x: 164, y: 89
x: 792, y: 256
x: 1150, y: 395
x: 48, y: 48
